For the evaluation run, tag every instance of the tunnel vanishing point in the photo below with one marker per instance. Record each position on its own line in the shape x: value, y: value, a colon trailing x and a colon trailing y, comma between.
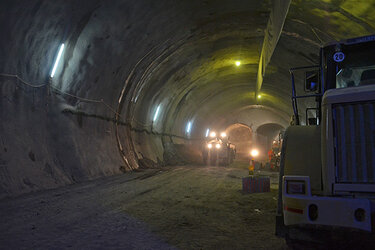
x: 96, y: 88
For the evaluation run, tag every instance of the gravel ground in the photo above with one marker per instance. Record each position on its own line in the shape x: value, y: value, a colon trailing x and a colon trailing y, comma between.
x: 186, y: 207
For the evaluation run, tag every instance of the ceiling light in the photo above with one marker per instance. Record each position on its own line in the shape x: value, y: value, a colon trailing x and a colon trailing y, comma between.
x: 188, y: 127
x: 57, y: 60
x: 238, y: 63
x: 156, y: 113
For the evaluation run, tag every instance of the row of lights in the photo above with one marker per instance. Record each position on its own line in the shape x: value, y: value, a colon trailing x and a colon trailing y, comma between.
x: 189, y: 124
x: 156, y: 115
x: 157, y: 112
x: 253, y: 153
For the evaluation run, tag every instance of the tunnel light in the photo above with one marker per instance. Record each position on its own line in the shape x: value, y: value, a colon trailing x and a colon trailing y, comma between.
x: 223, y: 134
x: 57, y: 60
x: 259, y: 96
x: 212, y: 134
x: 188, y: 127
x: 254, y: 153
x: 209, y: 145
x: 156, y: 113
x: 238, y: 63
x: 207, y: 132
x: 218, y: 146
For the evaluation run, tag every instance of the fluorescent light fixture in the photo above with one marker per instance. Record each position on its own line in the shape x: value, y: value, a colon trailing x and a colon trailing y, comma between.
x: 57, y: 60
x: 156, y: 113
x: 207, y: 132
x: 188, y: 127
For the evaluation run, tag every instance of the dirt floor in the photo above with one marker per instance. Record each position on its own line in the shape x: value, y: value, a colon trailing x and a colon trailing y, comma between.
x: 187, y: 207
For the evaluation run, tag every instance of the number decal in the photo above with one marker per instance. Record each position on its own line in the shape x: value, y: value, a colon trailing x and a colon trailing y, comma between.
x: 338, y: 57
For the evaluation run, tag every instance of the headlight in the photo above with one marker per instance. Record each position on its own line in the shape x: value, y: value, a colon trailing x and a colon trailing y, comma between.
x: 212, y: 134
x: 218, y: 146
x: 223, y: 134
x: 254, y: 153
x: 209, y: 145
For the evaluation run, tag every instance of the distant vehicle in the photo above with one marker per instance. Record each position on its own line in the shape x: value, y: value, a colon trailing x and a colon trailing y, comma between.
x: 217, y: 150
x: 327, y: 168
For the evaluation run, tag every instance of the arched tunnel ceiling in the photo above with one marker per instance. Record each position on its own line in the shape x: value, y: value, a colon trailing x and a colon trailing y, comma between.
x: 179, y: 55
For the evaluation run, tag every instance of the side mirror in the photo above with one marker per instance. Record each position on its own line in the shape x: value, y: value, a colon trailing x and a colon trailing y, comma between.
x: 311, y: 81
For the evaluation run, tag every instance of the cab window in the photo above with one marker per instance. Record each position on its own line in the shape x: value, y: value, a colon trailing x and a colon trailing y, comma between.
x: 355, y: 76
x: 355, y: 67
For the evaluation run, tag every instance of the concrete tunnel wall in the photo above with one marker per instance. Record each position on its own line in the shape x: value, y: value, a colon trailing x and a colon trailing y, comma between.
x: 51, y: 139
x: 123, y: 59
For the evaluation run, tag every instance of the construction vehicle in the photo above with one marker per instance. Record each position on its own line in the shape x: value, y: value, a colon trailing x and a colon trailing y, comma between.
x: 327, y: 168
x: 217, y: 150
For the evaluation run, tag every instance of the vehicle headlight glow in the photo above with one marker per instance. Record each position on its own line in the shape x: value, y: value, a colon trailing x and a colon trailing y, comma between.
x: 254, y: 153
x: 212, y: 134
x: 209, y: 145
x: 218, y: 146
x: 223, y: 134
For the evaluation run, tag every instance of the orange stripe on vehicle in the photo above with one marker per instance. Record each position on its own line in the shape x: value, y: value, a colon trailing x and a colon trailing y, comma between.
x: 293, y: 210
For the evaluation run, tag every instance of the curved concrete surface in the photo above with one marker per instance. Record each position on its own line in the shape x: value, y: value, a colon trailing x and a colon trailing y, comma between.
x: 124, y: 59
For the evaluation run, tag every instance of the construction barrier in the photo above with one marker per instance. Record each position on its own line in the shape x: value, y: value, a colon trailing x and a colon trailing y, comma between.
x: 256, y: 184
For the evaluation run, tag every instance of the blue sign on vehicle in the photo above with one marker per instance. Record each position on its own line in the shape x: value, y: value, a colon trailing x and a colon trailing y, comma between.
x: 338, y: 57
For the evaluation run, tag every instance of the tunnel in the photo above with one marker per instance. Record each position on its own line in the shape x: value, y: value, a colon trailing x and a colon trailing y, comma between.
x: 241, y: 136
x: 93, y: 88
x: 267, y: 135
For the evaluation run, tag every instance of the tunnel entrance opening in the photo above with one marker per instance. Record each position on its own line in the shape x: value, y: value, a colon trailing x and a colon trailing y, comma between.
x: 266, y: 136
x: 241, y: 135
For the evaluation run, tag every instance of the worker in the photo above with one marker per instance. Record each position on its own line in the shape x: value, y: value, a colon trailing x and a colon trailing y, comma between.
x: 251, y: 167
x: 270, y: 154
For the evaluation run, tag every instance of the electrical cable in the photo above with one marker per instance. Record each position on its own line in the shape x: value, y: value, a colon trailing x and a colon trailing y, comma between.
x: 86, y: 100
x: 62, y: 92
x: 23, y: 81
